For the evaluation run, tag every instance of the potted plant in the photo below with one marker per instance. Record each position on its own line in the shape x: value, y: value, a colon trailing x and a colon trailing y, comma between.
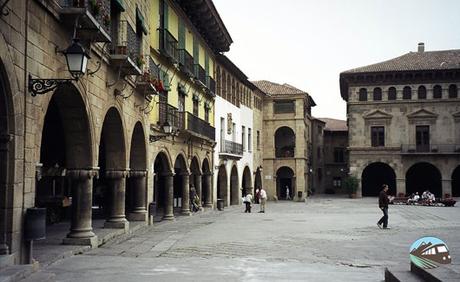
x: 351, y: 185
x: 140, y: 61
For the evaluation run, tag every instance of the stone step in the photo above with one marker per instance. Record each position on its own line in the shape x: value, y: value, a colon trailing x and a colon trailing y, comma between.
x: 443, y: 273
x: 400, y: 275
x: 41, y: 276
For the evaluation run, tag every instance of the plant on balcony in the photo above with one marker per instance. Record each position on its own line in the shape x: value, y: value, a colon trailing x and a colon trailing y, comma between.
x: 106, y: 20
x: 351, y: 185
x: 140, y: 61
x: 96, y: 6
x: 158, y: 84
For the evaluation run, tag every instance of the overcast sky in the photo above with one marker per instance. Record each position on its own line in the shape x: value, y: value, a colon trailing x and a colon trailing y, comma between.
x: 307, y: 43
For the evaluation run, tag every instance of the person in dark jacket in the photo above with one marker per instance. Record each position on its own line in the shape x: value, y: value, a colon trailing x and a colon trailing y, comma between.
x: 383, y: 205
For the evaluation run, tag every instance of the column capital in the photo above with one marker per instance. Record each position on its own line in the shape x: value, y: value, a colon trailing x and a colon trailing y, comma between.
x: 116, y: 173
x: 82, y: 173
x: 137, y: 173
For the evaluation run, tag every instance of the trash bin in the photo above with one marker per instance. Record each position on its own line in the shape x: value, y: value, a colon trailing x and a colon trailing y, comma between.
x: 152, y: 209
x: 35, y: 224
x: 220, y: 204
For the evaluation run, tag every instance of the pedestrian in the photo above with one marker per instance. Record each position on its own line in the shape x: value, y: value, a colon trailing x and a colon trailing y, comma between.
x: 257, y: 196
x: 288, y: 196
x: 247, y: 202
x: 263, y: 199
x: 383, y: 205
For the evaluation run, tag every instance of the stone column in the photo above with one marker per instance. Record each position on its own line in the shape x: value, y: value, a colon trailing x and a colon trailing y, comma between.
x: 208, y: 187
x: 400, y: 186
x: 81, y: 231
x: 169, y: 209
x: 117, y: 188
x: 185, y: 209
x: 138, y: 179
x: 446, y: 187
x: 198, y: 187
x: 4, y: 140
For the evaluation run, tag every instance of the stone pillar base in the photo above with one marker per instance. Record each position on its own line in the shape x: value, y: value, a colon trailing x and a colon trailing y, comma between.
x: 137, y: 216
x: 91, y: 241
x: 6, y: 260
x: 185, y: 212
x: 117, y: 225
x: 207, y: 205
x: 168, y: 217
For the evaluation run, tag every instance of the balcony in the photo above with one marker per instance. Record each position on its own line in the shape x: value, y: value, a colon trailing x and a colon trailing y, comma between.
x: 93, y: 18
x: 201, y: 127
x: 186, y: 62
x: 285, y: 152
x: 200, y: 75
x: 229, y: 149
x: 148, y: 81
x: 125, y: 50
x: 172, y: 115
x: 211, y: 85
x: 168, y: 46
x: 413, y: 149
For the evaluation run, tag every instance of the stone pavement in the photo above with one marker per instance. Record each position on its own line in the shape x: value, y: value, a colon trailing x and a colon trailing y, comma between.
x: 327, y: 239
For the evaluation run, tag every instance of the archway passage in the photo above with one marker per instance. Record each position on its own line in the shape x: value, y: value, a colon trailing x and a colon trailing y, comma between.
x: 456, y: 182
x: 195, y: 180
x: 246, y: 181
x: 136, y: 189
x: 66, y: 151
x: 284, y: 142
x: 110, y: 188
x: 181, y: 199
x: 222, y: 184
x: 162, y: 186
x: 234, y: 190
x: 423, y: 176
x: 206, y: 190
x: 374, y: 176
x: 284, y: 182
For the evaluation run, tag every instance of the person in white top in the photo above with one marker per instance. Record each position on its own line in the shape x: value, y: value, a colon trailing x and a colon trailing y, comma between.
x: 263, y: 199
x: 288, y: 196
x: 247, y: 202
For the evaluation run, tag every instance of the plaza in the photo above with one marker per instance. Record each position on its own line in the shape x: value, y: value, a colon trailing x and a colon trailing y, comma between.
x: 325, y: 239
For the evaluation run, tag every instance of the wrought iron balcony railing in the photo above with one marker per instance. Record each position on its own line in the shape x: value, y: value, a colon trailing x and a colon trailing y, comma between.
x: 285, y: 152
x: 172, y: 115
x: 168, y: 45
x: 93, y: 16
x: 200, y: 74
x: 430, y: 148
x: 125, y: 49
x: 201, y: 127
x: 211, y: 84
x: 230, y: 147
x: 186, y: 62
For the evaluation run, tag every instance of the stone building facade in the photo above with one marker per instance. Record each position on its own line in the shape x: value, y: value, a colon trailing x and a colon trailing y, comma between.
x: 287, y: 125
x: 403, y: 119
x: 317, y: 152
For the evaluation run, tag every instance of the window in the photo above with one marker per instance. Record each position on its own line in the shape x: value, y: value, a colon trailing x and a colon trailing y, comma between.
x: 421, y: 93
x: 392, y: 93
x: 339, y: 155
x: 222, y: 134
x: 378, y: 136
x: 407, y: 93
x: 437, y: 92
x: 363, y: 94
x: 195, y: 105
x: 206, y: 114
x: 181, y: 104
x: 453, y: 91
x: 243, y: 137
x: 337, y: 182
x: 284, y: 107
x: 249, y: 140
x: 377, y: 94
x: 258, y: 140
x: 422, y: 138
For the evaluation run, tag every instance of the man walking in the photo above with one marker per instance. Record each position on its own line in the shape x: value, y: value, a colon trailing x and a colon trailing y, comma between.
x: 383, y: 205
x: 263, y: 199
x: 288, y: 195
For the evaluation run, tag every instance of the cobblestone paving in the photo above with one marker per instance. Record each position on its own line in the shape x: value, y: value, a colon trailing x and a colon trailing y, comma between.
x: 327, y: 239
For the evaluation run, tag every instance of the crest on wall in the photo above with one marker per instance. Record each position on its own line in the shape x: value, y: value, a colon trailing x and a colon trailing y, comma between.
x: 229, y: 123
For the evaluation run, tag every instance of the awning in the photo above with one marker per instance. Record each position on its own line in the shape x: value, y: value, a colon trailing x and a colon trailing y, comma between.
x: 140, y: 21
x: 119, y: 4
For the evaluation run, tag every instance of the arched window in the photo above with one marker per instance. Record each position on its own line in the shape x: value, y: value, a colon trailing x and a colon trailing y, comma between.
x: 421, y: 93
x: 377, y: 96
x: 453, y: 91
x: 437, y: 92
x: 363, y: 94
x: 284, y: 142
x: 407, y: 93
x: 391, y: 93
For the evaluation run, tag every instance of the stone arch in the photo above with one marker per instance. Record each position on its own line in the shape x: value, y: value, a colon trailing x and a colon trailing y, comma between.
x: 195, y: 177
x: 206, y: 183
x: 456, y: 182
x: 374, y: 176
x: 234, y: 190
x: 285, y: 178
x: 284, y: 142
x: 162, y: 170
x: 424, y: 176
x: 258, y: 179
x: 165, y: 157
x: 246, y: 181
x: 222, y: 184
x: 181, y: 184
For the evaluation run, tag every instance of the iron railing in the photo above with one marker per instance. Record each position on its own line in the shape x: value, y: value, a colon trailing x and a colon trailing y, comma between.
x: 430, y: 148
x: 125, y: 41
x: 285, y: 152
x: 168, y: 45
x: 154, y: 69
x: 230, y: 147
x: 172, y: 115
x: 186, y: 62
x: 200, y: 73
x: 199, y: 126
x: 211, y: 84
x: 99, y: 9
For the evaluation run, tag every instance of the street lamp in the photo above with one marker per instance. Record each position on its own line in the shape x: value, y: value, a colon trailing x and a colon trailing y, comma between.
x: 77, y: 62
x: 167, y: 129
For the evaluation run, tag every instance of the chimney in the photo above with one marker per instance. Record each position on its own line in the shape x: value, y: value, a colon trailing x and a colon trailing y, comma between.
x: 421, y: 47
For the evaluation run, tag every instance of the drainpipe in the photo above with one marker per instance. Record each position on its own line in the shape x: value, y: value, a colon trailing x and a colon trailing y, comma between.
x: 24, y: 253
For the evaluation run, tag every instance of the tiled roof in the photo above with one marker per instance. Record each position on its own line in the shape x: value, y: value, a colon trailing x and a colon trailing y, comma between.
x: 272, y: 88
x: 334, y: 124
x: 413, y: 61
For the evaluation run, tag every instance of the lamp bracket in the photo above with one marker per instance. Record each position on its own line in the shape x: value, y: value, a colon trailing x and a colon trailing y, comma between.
x: 40, y: 86
x: 155, y: 138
